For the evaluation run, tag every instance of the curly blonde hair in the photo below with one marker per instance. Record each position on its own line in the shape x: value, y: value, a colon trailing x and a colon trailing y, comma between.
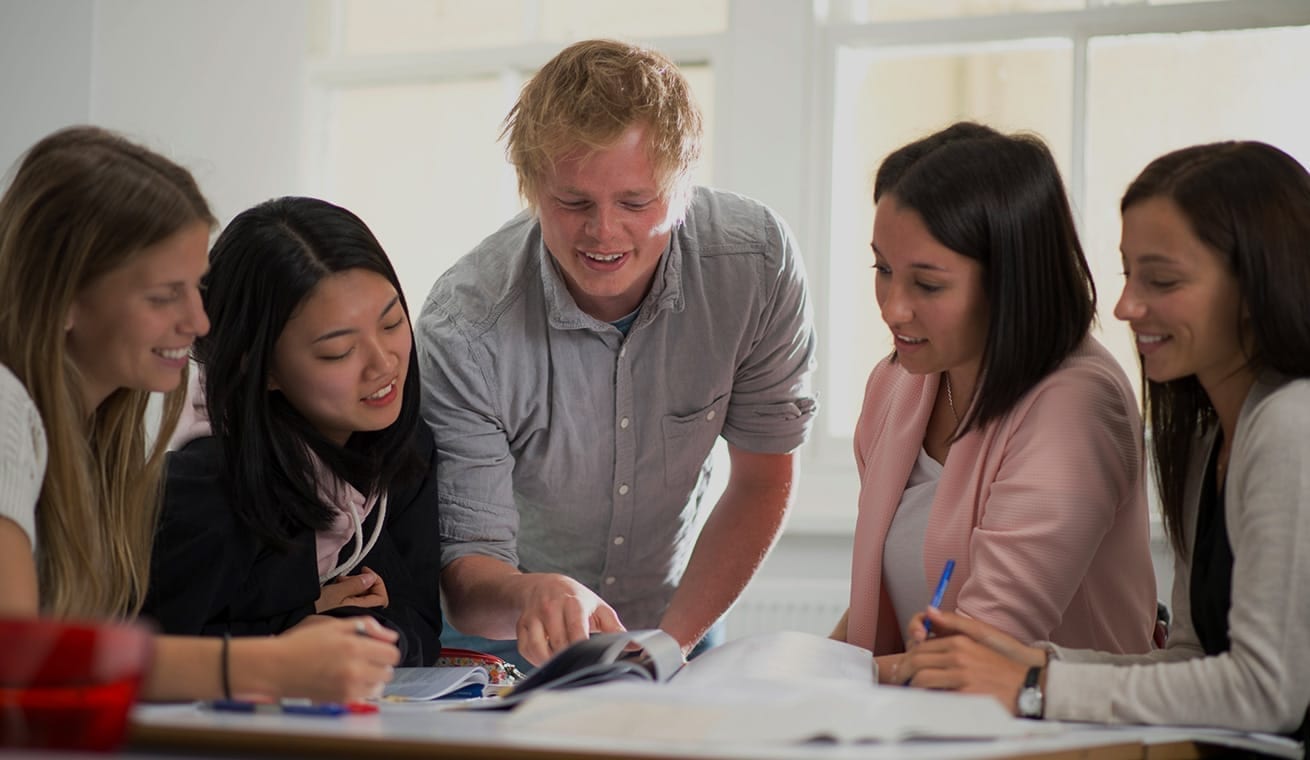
x: 587, y: 97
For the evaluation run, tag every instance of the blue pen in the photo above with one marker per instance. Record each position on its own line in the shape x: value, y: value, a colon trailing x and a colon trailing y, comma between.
x: 937, y: 595
x: 326, y: 709
x: 940, y: 592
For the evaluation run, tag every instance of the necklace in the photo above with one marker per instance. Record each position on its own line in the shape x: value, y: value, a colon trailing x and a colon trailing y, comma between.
x: 950, y: 399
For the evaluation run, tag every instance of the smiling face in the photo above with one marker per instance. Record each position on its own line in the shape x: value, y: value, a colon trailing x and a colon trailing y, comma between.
x: 605, y: 221
x: 342, y: 358
x: 1179, y: 298
x: 931, y: 297
x: 133, y: 327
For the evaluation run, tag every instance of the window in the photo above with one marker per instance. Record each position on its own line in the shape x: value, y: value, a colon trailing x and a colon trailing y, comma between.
x: 1108, y: 85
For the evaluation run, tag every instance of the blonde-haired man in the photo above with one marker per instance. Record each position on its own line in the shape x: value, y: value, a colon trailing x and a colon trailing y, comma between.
x: 579, y: 364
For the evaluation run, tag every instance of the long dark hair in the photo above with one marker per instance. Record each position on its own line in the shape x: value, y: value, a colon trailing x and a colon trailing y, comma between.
x: 998, y: 199
x: 262, y: 267
x: 1249, y: 202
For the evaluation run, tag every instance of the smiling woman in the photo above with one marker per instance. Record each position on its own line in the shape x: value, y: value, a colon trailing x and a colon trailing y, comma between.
x: 343, y: 357
x: 302, y: 489
x: 977, y: 430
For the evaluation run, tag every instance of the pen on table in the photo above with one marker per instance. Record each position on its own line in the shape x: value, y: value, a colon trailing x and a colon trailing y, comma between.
x: 937, y: 596
x: 323, y: 709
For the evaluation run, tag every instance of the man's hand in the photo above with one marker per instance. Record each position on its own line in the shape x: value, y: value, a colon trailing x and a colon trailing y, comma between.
x: 558, y: 611
x: 363, y: 590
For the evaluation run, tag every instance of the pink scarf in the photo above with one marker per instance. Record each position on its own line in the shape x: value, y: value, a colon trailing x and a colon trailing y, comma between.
x: 351, y: 506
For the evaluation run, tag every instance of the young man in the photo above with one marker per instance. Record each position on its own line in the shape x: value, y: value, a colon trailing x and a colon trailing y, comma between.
x: 579, y: 364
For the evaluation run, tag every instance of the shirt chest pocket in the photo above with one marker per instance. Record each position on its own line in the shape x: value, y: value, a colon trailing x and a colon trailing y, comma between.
x: 688, y: 439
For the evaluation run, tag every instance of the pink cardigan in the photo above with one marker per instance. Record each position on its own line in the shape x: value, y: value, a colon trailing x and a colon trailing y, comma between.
x: 1044, y: 510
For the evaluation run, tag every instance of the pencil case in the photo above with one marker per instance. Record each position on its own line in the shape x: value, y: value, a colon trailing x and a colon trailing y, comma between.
x: 498, y: 670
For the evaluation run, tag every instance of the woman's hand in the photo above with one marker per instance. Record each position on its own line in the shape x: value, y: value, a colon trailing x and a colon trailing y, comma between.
x: 968, y: 656
x: 953, y: 623
x: 341, y: 660
x: 363, y: 590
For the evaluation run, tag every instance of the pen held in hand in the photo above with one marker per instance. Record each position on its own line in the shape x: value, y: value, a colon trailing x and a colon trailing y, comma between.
x: 937, y: 596
x: 939, y: 593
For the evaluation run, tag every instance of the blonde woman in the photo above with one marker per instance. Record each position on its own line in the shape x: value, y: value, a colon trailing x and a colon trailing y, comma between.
x: 102, y: 247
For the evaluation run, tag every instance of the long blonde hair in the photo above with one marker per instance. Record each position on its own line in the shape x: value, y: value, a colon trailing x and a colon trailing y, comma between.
x: 82, y: 203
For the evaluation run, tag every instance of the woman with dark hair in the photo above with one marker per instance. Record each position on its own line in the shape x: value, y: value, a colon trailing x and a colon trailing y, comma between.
x: 1216, y: 251
x: 303, y: 487
x: 102, y: 249
x: 998, y: 433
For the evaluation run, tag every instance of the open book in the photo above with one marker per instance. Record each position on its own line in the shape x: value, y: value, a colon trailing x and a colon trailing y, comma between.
x: 771, y: 688
x: 420, y: 684
x: 649, y: 655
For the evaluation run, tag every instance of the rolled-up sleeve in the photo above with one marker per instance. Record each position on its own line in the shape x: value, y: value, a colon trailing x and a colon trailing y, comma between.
x: 474, y: 465
x: 772, y: 405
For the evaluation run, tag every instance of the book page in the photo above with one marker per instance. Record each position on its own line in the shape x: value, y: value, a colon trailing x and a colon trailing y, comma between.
x: 642, y: 655
x: 431, y: 683
x: 782, y: 656
x: 772, y: 688
x: 743, y: 713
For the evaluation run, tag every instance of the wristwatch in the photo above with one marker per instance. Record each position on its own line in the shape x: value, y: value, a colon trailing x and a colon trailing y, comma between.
x: 1031, y: 703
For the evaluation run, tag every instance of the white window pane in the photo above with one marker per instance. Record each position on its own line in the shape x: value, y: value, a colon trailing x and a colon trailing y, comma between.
x: 566, y: 20
x: 1150, y: 94
x: 906, y: 10
x: 422, y: 166
x: 405, y: 26
x: 885, y: 100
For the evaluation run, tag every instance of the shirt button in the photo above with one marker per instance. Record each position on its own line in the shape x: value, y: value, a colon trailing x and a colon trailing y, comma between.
x: 623, y: 490
x: 618, y: 540
x: 623, y: 423
x: 610, y: 581
x: 710, y: 415
x: 623, y: 351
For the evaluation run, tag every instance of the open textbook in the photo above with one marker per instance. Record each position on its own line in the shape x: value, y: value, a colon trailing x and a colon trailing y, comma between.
x: 421, y: 684
x: 772, y: 688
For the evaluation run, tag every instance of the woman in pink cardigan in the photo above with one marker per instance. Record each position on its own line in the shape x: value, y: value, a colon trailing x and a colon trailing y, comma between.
x: 998, y: 433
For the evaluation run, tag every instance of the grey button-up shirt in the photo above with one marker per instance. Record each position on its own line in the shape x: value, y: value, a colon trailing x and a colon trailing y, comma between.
x: 565, y: 447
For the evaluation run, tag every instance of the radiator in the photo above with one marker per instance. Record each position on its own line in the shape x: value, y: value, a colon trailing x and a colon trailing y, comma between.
x: 813, y: 606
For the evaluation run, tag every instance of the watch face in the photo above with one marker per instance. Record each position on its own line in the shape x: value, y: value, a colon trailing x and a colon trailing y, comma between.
x: 1030, y: 703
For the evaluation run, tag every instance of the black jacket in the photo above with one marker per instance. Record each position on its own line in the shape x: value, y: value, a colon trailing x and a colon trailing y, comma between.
x: 210, y: 575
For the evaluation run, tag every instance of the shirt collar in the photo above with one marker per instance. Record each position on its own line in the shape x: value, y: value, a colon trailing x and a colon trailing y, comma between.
x: 565, y: 314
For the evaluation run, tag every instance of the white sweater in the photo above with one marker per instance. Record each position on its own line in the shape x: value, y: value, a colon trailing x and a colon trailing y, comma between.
x: 1263, y: 682
x: 22, y: 454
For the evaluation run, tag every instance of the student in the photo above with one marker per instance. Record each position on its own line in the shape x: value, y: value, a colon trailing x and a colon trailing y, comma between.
x: 102, y: 248
x: 313, y: 492
x: 998, y: 433
x: 581, y: 362
x: 1216, y: 251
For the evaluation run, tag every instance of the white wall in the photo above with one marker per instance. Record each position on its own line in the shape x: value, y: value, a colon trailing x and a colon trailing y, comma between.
x: 45, y: 70
x: 216, y: 86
